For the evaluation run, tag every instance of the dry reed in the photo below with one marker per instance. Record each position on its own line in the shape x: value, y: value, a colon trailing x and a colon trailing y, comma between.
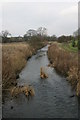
x: 66, y: 63
x: 14, y: 58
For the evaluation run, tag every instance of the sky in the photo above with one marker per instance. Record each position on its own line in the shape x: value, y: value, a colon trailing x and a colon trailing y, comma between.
x: 60, y: 17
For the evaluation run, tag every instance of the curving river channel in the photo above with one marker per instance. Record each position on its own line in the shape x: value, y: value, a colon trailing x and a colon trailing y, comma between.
x: 52, y: 95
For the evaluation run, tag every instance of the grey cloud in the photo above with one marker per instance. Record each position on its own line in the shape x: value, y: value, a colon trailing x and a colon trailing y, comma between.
x: 19, y: 17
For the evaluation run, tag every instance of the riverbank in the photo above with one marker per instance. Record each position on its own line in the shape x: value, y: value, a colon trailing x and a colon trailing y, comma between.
x: 66, y: 63
x: 15, y: 56
x: 52, y: 95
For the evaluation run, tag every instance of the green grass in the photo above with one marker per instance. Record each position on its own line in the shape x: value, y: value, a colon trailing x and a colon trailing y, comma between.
x: 68, y: 46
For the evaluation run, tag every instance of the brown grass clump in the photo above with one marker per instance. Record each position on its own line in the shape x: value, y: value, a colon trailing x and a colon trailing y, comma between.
x: 73, y: 76
x: 78, y: 89
x: 27, y: 90
x: 43, y: 74
x: 66, y: 63
x: 14, y: 58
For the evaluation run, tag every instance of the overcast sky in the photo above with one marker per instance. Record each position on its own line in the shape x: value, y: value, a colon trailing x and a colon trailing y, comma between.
x: 58, y: 17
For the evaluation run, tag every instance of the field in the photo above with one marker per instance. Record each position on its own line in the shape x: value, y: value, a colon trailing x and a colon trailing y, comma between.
x: 65, y: 62
x: 68, y: 47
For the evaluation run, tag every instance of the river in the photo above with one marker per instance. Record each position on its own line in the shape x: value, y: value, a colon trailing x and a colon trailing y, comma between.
x: 52, y: 95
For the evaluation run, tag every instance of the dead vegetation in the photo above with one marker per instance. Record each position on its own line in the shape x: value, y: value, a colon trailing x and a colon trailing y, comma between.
x: 26, y: 90
x: 14, y: 57
x: 66, y: 63
x: 43, y: 74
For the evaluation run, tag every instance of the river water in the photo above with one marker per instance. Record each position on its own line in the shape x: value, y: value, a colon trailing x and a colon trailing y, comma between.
x: 52, y: 95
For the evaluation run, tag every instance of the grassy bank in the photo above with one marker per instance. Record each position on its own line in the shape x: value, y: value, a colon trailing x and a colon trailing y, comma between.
x: 66, y: 63
x: 68, y: 47
x: 14, y: 56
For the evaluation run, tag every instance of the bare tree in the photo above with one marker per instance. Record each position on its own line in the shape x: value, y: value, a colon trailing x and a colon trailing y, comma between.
x: 5, y: 33
x: 42, y: 31
x: 39, y: 31
x: 31, y: 32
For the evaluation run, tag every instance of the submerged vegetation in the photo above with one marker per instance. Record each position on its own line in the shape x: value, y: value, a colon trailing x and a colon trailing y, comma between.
x: 43, y: 74
x: 27, y: 90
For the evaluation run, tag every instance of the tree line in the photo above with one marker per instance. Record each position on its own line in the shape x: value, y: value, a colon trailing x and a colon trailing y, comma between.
x: 39, y: 34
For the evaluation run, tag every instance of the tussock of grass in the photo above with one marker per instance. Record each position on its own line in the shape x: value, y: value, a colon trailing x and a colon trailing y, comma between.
x: 27, y: 90
x: 14, y: 56
x: 66, y: 63
x: 43, y: 74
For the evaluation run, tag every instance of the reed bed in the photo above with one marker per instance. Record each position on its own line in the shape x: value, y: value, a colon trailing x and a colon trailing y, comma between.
x: 14, y: 58
x: 66, y: 63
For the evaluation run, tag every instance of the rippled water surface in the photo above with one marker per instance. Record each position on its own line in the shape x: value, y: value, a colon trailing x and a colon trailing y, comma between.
x: 52, y: 96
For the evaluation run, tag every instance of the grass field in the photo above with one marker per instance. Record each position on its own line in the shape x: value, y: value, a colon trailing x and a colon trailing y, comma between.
x: 68, y: 46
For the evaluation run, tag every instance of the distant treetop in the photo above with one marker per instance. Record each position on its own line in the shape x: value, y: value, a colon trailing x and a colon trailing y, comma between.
x: 40, y: 31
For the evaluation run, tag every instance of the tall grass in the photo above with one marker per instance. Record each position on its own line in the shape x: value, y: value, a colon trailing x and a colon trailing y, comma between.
x: 14, y: 58
x: 66, y: 63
